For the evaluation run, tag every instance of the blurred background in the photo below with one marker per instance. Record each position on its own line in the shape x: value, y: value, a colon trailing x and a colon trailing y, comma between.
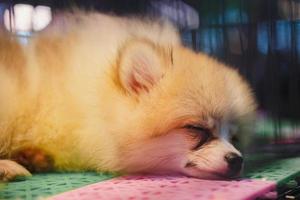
x: 261, y: 38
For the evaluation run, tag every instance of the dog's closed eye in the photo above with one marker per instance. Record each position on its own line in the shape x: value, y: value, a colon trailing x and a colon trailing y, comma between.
x: 204, y: 134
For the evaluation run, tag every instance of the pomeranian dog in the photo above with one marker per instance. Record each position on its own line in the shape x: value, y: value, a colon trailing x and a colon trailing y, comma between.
x: 103, y: 93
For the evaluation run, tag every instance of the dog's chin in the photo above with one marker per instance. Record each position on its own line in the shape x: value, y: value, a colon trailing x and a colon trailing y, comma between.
x: 194, y: 173
x: 199, y: 174
x: 210, y: 175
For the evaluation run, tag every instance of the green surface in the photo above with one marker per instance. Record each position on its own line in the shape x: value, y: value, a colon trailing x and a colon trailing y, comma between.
x: 43, y: 185
x: 280, y: 170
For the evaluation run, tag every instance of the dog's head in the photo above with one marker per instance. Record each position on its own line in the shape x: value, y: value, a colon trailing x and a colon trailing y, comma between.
x: 181, y: 104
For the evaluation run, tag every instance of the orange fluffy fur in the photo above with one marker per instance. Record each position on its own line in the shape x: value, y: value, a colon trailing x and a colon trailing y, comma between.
x: 92, y: 90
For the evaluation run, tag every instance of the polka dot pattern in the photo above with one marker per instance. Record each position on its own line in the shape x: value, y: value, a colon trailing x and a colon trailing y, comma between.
x: 167, y: 187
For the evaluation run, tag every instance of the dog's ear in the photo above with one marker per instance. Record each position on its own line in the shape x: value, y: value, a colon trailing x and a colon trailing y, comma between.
x: 140, y: 66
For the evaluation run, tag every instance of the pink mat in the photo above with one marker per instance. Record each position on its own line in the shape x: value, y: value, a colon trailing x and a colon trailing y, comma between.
x: 167, y: 187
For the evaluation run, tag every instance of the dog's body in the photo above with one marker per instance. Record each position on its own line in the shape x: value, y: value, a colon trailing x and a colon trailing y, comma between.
x: 96, y: 92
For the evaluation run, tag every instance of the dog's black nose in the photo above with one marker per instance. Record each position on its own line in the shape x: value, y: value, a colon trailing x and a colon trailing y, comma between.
x: 235, y: 163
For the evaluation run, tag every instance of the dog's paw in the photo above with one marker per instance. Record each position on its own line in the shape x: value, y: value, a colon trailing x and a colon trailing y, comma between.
x: 34, y: 159
x: 9, y: 170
